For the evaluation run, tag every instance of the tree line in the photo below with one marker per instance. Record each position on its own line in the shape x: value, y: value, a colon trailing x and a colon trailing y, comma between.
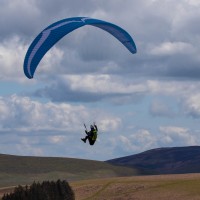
x: 47, y: 190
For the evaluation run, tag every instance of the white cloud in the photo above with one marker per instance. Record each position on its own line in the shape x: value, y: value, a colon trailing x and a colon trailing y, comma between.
x: 177, y: 136
x: 193, y: 2
x: 93, y: 88
x: 56, y: 139
x: 110, y: 124
x: 103, y: 84
x: 11, y: 59
x: 161, y: 109
x: 173, y: 88
x: 50, y: 63
x: 24, y: 114
x: 29, y: 127
x: 186, y: 94
x: 171, y: 48
x: 68, y: 54
x: 136, y: 142
x: 192, y: 105
x: 12, y: 54
x: 26, y: 147
x: 91, y: 67
x: 18, y: 22
x: 144, y: 139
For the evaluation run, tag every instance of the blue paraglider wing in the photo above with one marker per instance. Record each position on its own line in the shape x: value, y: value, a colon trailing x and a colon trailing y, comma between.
x: 53, y: 33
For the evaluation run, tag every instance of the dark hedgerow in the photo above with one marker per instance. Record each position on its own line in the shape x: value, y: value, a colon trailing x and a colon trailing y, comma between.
x: 47, y: 190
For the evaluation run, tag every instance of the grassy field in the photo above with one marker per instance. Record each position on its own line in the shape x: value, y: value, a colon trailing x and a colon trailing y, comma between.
x: 92, y: 180
x: 15, y: 170
x: 165, y: 187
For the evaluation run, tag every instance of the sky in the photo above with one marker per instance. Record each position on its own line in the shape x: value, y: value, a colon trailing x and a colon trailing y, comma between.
x: 138, y: 101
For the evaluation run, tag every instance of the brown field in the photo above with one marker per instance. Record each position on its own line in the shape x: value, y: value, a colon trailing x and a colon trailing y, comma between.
x: 165, y: 187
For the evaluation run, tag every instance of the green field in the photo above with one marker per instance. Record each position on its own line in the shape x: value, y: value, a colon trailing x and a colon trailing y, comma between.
x: 96, y: 180
x: 15, y: 170
x: 165, y: 187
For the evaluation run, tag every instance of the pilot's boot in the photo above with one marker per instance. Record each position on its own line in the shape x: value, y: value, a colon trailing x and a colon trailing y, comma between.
x: 83, y: 139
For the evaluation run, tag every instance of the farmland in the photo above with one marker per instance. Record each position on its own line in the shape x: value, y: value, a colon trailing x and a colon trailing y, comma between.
x: 179, y: 187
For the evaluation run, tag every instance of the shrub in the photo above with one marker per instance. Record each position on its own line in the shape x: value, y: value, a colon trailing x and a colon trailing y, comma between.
x: 59, y: 190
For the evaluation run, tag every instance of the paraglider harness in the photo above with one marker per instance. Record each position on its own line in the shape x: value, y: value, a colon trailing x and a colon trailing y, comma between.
x: 91, y: 135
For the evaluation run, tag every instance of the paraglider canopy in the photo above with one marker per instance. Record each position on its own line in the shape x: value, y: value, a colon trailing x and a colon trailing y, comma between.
x: 53, y: 33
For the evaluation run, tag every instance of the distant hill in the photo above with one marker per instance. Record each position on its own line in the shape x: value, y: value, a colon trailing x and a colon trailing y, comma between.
x: 174, y: 160
x: 16, y: 170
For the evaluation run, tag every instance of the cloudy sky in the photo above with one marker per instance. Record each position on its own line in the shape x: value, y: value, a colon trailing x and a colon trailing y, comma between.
x: 147, y: 100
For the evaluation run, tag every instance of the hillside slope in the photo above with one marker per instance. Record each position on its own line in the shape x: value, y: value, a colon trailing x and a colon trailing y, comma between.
x: 174, y: 160
x: 24, y: 169
x: 165, y: 187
